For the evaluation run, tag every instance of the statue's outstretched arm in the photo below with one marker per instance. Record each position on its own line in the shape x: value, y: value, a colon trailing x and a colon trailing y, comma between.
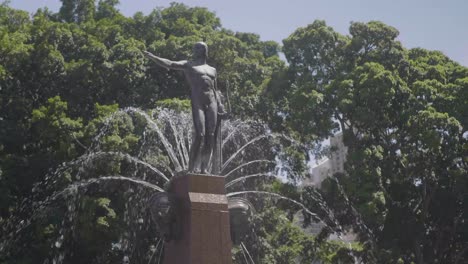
x: 168, y: 64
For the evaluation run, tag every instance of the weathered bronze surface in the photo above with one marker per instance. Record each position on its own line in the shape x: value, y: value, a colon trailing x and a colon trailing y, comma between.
x: 163, y: 209
x: 207, y: 108
x: 240, y: 211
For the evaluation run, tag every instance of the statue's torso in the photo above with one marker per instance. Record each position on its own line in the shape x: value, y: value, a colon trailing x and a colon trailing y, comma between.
x: 201, y: 78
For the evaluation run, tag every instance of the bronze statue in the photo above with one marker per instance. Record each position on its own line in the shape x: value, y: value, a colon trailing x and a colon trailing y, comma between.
x: 207, y: 108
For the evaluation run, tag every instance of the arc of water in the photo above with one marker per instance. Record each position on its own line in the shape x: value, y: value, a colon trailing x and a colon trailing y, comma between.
x: 185, y: 151
x: 152, y: 125
x: 94, y: 155
x: 234, y: 130
x: 248, y: 253
x: 160, y: 253
x: 240, y: 179
x: 355, y: 213
x: 140, y: 153
x: 72, y: 188
x: 136, y: 160
x: 185, y: 135
x: 155, y: 250
x: 245, y: 256
x: 164, y: 140
x: 314, y: 216
x: 178, y: 139
x: 103, y: 129
x: 77, y: 185
x: 189, y: 141
x: 143, y: 139
x: 248, y: 163
x: 323, y: 205
x: 122, y: 178
x: 233, y: 156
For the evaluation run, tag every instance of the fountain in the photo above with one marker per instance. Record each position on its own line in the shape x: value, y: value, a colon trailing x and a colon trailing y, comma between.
x: 251, y: 152
x: 166, y: 181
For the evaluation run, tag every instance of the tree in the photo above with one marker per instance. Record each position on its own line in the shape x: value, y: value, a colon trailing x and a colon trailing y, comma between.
x: 77, y: 11
x: 107, y: 9
x: 400, y: 112
x: 61, y: 75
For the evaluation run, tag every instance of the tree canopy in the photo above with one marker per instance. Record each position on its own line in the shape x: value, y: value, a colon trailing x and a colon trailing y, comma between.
x: 403, y: 114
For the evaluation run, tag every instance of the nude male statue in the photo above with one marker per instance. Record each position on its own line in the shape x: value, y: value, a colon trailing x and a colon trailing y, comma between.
x: 206, y: 104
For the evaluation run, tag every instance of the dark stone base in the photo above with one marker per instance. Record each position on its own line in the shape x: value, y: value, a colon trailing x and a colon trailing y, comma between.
x: 204, y: 218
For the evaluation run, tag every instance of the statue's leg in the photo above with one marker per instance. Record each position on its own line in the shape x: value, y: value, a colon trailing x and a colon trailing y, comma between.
x: 211, y: 115
x: 199, y: 125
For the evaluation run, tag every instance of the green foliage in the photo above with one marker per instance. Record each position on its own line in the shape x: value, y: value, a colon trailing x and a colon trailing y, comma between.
x: 281, y: 241
x: 107, y: 9
x: 175, y: 104
x: 97, y: 223
x: 77, y: 10
x: 63, y: 74
x: 100, y: 211
x: 403, y: 118
x: 55, y: 134
x: 403, y: 114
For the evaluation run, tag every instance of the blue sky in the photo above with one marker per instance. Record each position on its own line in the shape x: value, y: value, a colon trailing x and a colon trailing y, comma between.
x: 431, y: 24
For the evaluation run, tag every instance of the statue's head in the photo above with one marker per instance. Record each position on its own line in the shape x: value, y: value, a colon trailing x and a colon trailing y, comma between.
x: 200, y: 50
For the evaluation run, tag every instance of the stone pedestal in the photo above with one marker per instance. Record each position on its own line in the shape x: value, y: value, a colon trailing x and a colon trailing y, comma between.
x: 204, y: 218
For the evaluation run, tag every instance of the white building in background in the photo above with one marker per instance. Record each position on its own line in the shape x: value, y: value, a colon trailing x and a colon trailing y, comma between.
x: 328, y: 166
x: 338, y: 156
x: 322, y: 169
